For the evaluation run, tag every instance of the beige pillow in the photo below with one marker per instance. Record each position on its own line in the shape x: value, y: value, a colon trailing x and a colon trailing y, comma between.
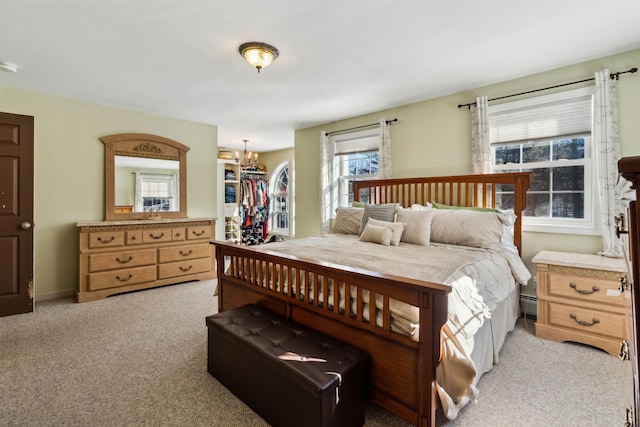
x: 396, y: 229
x: 347, y: 221
x: 417, y: 229
x: 376, y: 234
x: 466, y: 228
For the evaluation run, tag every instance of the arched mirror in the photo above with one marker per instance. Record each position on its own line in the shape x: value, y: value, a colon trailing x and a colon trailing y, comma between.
x: 145, y: 177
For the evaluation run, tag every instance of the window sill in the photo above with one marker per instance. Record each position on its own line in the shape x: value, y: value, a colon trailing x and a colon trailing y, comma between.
x: 585, y: 230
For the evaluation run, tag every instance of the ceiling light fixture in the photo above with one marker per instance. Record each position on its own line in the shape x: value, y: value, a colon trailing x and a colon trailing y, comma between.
x: 258, y: 54
x: 8, y: 67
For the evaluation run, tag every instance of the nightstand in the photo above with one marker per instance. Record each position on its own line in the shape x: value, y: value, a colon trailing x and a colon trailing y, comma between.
x: 579, y: 299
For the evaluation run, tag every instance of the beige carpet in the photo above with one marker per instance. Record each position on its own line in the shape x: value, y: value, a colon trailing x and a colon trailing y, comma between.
x: 140, y: 359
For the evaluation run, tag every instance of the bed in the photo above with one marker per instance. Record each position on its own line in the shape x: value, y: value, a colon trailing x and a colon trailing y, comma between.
x: 331, y: 291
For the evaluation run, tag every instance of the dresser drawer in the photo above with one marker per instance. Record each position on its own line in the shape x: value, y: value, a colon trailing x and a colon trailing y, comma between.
x: 124, y: 277
x: 106, y: 239
x: 120, y: 260
x: 195, y: 232
x: 157, y: 235
x: 178, y: 233
x: 586, y: 288
x: 180, y: 253
x: 184, y: 268
x: 611, y: 325
x: 134, y: 237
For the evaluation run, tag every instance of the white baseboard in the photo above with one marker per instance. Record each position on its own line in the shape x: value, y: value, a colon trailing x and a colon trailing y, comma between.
x: 54, y: 295
x: 529, y: 305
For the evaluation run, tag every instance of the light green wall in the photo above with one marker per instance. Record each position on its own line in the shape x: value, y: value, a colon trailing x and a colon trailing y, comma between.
x: 271, y: 159
x: 433, y: 138
x: 69, y: 173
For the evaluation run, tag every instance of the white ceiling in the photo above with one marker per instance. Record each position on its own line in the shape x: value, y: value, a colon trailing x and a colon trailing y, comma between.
x: 338, y: 58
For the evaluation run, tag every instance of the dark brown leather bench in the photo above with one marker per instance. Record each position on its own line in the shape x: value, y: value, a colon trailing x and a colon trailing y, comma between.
x: 289, y: 374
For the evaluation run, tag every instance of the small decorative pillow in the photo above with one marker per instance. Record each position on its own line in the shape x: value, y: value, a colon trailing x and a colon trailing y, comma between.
x: 382, y: 212
x: 417, y: 228
x: 376, y: 234
x: 347, y: 221
x: 396, y: 229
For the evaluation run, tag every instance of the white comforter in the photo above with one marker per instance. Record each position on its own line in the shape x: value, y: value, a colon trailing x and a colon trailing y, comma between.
x: 479, y: 279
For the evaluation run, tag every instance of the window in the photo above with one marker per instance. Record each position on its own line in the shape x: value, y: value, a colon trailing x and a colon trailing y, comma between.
x: 159, y: 192
x: 279, y: 219
x: 549, y: 136
x: 356, y: 157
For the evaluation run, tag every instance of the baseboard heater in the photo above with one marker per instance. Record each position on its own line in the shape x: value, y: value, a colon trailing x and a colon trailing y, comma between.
x: 529, y: 305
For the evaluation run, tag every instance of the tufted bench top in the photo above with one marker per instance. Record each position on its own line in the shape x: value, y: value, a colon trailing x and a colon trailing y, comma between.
x: 305, y: 356
x: 289, y: 374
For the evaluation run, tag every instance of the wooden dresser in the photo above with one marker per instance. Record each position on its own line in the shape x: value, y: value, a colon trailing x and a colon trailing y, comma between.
x: 123, y: 256
x: 579, y: 299
x: 629, y: 232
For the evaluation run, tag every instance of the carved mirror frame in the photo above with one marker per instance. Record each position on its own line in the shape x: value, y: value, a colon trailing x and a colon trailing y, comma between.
x: 147, y: 146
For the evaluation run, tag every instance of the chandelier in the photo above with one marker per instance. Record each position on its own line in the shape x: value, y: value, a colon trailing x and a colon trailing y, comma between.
x: 258, y: 54
x: 249, y: 161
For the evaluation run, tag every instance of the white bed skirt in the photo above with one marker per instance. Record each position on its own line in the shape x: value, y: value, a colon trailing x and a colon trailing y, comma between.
x: 490, y: 337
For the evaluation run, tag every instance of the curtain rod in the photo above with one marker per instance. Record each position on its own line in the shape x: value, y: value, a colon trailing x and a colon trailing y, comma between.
x: 361, y: 127
x: 615, y: 76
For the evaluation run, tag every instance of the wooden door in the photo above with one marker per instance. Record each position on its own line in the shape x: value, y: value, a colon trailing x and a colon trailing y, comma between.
x: 16, y: 214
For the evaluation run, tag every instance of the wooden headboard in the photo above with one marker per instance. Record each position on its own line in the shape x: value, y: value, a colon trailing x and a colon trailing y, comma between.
x: 465, y: 190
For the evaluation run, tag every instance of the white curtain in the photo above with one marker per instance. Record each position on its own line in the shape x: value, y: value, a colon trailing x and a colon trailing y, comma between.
x: 384, y: 156
x: 175, y: 192
x: 607, y: 152
x: 326, y: 179
x: 480, y: 146
x: 138, y: 196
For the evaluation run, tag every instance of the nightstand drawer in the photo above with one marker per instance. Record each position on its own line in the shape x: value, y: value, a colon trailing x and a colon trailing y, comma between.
x: 586, y: 288
x: 602, y: 323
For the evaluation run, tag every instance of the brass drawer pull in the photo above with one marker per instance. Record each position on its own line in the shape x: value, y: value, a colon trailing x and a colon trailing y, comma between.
x: 124, y: 261
x: 105, y: 241
x: 584, y: 291
x: 186, y: 253
x: 582, y: 322
x: 186, y: 269
x: 195, y: 233
x: 124, y: 279
x: 156, y: 236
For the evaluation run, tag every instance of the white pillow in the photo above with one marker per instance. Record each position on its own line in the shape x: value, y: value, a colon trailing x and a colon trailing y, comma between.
x: 396, y: 229
x: 508, y: 219
x: 417, y: 228
x: 418, y: 207
x: 376, y: 234
x: 347, y: 221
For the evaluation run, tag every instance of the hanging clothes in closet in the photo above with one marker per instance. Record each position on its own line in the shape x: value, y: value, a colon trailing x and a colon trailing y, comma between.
x: 254, y: 199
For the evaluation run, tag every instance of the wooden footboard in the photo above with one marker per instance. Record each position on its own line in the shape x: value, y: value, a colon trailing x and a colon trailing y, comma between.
x: 402, y: 372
